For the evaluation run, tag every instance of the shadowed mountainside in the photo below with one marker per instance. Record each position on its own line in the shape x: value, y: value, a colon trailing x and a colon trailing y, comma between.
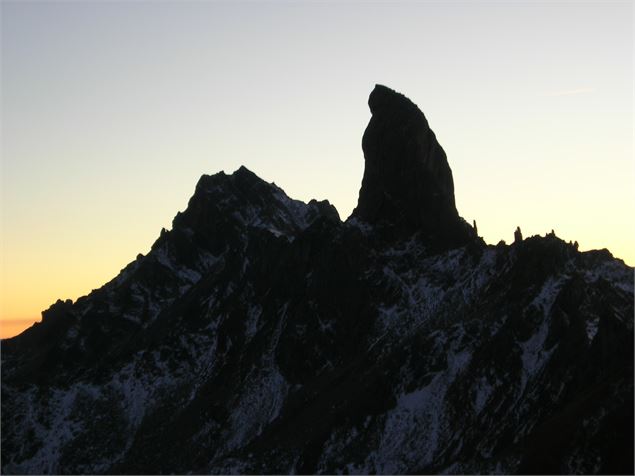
x: 262, y: 334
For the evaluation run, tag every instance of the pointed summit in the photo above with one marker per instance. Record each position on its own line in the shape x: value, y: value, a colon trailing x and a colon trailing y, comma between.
x: 407, y: 181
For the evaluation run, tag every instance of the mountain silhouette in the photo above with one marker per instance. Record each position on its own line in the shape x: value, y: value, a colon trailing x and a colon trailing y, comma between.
x: 262, y: 334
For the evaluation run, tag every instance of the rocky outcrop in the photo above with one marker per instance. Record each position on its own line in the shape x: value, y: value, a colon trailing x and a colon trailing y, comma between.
x: 407, y: 184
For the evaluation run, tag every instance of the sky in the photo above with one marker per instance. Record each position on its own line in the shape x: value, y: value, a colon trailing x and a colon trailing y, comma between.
x: 111, y: 111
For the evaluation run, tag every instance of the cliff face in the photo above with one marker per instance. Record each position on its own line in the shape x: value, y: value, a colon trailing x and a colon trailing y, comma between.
x: 264, y: 335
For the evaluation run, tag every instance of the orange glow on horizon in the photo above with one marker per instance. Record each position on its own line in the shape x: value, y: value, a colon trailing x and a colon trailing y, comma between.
x: 13, y: 327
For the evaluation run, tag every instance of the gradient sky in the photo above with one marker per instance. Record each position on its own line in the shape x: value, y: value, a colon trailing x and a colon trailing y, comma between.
x: 112, y: 110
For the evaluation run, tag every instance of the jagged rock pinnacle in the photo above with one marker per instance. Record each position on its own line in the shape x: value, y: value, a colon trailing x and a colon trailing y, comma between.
x: 407, y: 180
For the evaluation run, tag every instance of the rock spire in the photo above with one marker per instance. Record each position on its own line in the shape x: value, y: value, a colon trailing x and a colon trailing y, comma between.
x: 407, y: 183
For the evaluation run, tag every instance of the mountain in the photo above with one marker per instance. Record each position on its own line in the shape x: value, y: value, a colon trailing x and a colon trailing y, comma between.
x: 262, y: 334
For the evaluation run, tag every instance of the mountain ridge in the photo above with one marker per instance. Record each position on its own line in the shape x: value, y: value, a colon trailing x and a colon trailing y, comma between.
x: 262, y: 334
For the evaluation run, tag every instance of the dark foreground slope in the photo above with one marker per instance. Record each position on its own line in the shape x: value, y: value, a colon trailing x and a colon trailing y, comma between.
x: 263, y: 335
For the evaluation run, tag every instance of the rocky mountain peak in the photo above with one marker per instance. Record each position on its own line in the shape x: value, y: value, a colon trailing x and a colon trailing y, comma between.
x: 261, y: 335
x: 244, y: 199
x: 407, y: 183
x: 384, y: 98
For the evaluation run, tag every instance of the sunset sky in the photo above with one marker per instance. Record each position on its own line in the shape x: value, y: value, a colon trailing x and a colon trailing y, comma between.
x: 111, y: 111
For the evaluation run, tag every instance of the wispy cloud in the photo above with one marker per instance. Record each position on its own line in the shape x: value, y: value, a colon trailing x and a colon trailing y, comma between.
x: 568, y: 92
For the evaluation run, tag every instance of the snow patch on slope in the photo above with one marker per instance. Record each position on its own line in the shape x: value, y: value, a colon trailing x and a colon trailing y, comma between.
x: 402, y: 446
x: 533, y: 353
x: 547, y: 296
x: 619, y: 275
x: 483, y: 392
x: 259, y: 404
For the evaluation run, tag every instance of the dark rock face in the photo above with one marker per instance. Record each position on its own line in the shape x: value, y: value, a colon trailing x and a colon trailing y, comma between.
x: 264, y: 335
x: 407, y: 181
